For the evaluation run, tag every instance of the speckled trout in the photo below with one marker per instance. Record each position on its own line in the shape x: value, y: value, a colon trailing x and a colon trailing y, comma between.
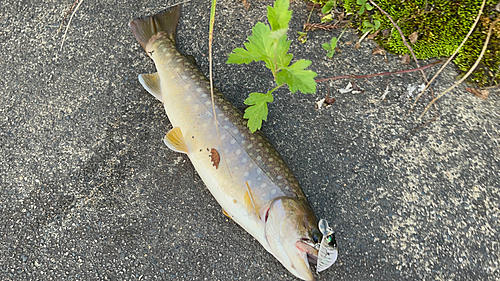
x: 242, y: 170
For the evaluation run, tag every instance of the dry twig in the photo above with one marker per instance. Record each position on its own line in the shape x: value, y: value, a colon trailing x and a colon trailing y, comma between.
x: 69, y: 23
x: 66, y: 15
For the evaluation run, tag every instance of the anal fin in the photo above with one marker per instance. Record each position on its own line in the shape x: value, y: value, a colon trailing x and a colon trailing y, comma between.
x: 175, y: 141
x: 226, y: 214
x: 151, y: 82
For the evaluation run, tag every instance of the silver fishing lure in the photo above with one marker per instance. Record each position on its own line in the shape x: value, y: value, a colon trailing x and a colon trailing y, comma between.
x: 328, y: 251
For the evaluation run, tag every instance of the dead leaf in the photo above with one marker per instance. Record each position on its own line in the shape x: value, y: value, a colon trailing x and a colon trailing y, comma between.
x: 215, y: 157
x: 386, y: 32
x: 319, y: 103
x: 246, y: 4
x: 357, y: 45
x: 372, y: 35
x: 405, y: 59
x: 413, y: 37
x: 479, y: 93
x: 329, y: 101
x: 378, y: 51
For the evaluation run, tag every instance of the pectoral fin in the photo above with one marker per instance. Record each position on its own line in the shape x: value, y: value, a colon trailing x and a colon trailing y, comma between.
x: 151, y: 82
x: 175, y: 141
x: 249, y: 202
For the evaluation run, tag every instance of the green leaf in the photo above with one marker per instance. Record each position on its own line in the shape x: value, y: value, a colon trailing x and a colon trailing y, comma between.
x: 326, y: 46
x: 327, y: 18
x: 377, y: 24
x: 278, y: 34
x: 362, y: 10
x: 327, y: 8
x: 258, y: 47
x: 360, y: 2
x: 367, y: 24
x: 330, y: 54
x: 282, y: 57
x: 368, y: 7
x: 302, y: 37
x: 334, y: 43
x: 297, y: 77
x: 257, y: 111
x: 279, y: 16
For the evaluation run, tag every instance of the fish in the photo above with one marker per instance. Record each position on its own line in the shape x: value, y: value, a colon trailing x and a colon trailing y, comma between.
x: 242, y: 170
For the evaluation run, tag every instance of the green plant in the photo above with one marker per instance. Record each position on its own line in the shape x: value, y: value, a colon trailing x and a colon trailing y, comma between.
x: 327, y: 10
x: 369, y: 27
x: 364, y: 6
x: 330, y: 47
x: 269, y: 43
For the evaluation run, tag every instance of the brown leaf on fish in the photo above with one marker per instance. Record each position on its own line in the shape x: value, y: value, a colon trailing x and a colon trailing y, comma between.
x: 215, y: 157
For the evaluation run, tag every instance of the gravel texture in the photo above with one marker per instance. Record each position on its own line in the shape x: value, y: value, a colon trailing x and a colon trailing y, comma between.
x: 89, y: 191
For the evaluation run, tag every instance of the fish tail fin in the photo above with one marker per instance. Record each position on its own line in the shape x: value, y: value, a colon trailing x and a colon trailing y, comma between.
x: 146, y: 27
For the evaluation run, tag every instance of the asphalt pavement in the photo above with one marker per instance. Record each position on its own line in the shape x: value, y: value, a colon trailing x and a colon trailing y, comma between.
x: 88, y: 190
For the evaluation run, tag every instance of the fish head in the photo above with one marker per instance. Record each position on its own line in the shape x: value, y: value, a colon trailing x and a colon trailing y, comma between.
x: 293, y: 236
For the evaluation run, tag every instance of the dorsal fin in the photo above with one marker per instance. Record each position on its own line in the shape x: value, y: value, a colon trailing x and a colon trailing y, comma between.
x: 151, y: 82
x: 175, y: 141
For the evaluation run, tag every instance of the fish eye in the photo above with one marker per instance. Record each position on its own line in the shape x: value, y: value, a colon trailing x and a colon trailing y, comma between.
x: 316, y: 237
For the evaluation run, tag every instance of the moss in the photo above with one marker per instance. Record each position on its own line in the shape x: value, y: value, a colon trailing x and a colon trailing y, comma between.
x: 441, y: 26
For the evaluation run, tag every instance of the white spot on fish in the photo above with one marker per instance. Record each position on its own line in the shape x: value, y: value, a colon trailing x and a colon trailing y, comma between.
x: 273, y: 191
x: 226, y: 119
x: 222, y: 137
x: 184, y: 77
x: 238, y: 151
x: 208, y: 102
x: 226, y: 127
x: 242, y: 135
x: 263, y: 185
x: 252, y: 138
x: 245, y: 174
x: 259, y: 158
x: 235, y: 131
x: 279, y: 177
x: 250, y: 146
x: 202, y: 95
x: 270, y: 159
x: 244, y: 160
x: 251, y: 165
x: 233, y: 141
x: 260, y: 144
x: 243, y: 142
x: 188, y: 98
x: 259, y: 171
